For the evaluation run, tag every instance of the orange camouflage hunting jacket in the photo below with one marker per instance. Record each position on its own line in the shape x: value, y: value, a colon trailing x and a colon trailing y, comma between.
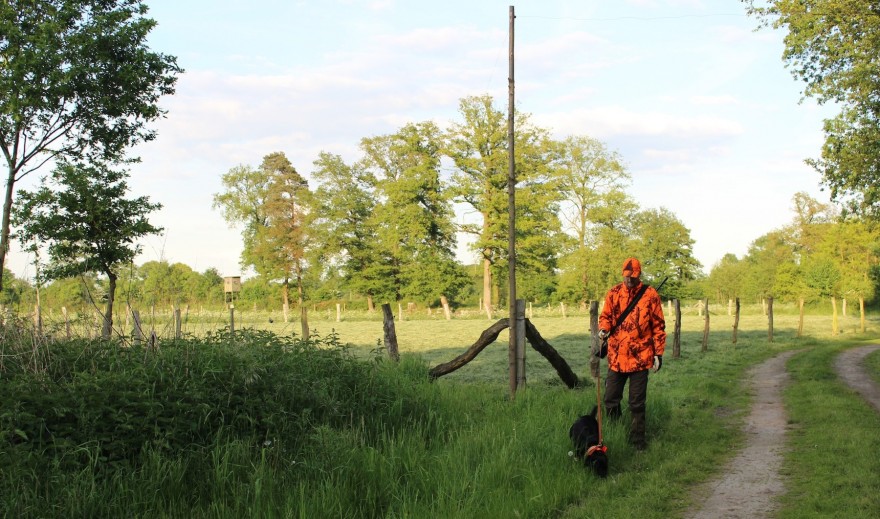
x: 641, y: 336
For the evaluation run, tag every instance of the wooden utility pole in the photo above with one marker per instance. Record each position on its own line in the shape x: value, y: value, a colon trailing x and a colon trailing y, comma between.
x: 511, y: 220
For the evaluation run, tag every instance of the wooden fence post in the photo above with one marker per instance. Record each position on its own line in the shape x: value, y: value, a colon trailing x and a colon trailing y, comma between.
x: 770, y: 319
x: 390, y: 335
x: 447, y: 312
x: 519, y: 329
x: 594, y: 339
x: 800, y: 317
x: 736, y: 320
x: 833, y: 315
x: 862, y: 313
x: 232, y: 318
x: 562, y: 308
x: 304, y: 321
x: 177, y: 323
x: 706, y: 325
x: 676, y: 338
x: 137, y: 332
x: 338, y: 312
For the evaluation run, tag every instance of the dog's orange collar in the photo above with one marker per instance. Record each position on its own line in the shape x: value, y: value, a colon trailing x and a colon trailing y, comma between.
x: 594, y: 448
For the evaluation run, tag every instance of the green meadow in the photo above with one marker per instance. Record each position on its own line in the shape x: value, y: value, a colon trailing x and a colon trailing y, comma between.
x: 258, y: 423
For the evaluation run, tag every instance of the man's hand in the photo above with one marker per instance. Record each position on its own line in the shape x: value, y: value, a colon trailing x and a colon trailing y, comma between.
x: 658, y: 363
x: 603, y: 344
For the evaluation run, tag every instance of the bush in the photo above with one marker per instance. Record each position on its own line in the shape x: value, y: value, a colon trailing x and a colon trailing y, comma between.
x: 98, y: 404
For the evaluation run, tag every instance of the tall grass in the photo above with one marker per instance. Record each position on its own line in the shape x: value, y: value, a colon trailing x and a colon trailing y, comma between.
x: 263, y: 425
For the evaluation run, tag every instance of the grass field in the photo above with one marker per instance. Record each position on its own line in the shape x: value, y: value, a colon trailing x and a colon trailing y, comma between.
x: 472, y: 452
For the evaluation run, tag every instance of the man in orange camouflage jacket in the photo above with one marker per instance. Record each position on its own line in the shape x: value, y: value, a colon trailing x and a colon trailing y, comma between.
x: 635, y: 347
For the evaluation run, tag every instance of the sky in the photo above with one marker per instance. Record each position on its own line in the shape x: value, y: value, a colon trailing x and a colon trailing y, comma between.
x: 709, y: 122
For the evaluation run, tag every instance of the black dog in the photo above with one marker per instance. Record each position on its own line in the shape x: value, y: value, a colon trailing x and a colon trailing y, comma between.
x: 584, y: 434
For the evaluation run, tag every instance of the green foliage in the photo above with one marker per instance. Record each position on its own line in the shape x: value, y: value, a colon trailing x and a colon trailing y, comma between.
x: 831, y: 46
x: 78, y: 81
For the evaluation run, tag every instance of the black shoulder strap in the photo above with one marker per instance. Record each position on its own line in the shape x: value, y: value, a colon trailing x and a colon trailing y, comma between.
x: 628, y: 309
x: 632, y: 304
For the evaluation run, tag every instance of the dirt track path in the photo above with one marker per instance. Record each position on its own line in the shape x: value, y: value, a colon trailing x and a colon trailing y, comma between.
x: 849, y: 368
x: 749, y: 483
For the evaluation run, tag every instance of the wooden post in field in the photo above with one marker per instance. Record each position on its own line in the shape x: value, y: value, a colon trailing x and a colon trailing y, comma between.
x: 862, y: 313
x: 735, y: 320
x: 177, y: 324
x: 676, y: 337
x: 137, y: 332
x: 447, y: 312
x: 232, y: 318
x: 595, y: 344
x: 338, y: 313
x: 304, y: 321
x: 390, y: 334
x: 833, y: 315
x: 66, y: 322
x: 800, y: 317
x: 562, y: 308
x: 770, y: 319
x: 843, y: 307
x: 285, y: 309
x: 706, y: 325
x: 520, y: 329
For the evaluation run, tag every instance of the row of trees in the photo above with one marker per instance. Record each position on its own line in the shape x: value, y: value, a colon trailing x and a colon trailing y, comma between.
x: 816, y: 256
x: 385, y: 226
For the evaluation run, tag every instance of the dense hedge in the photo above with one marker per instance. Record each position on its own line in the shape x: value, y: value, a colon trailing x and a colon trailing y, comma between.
x: 85, y: 403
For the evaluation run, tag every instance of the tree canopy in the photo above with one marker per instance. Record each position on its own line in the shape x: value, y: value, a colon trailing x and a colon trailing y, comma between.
x: 77, y: 82
x: 833, y: 47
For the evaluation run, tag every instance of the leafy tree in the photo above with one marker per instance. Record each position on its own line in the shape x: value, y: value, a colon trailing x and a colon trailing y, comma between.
x: 282, y: 244
x: 726, y: 278
x: 763, y: 259
x: 14, y: 290
x: 86, y: 224
x: 414, y: 217
x: 345, y: 200
x: 77, y: 81
x: 832, y: 46
x: 243, y: 202
x: 478, y: 146
x: 665, y: 248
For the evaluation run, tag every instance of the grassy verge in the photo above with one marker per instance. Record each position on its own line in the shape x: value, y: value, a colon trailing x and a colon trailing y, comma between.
x: 382, y: 441
x: 832, y: 466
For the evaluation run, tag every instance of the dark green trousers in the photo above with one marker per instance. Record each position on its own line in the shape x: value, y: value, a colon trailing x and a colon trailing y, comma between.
x: 638, y: 397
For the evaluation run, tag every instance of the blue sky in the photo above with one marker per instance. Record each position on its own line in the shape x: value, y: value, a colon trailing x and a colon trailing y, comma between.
x: 700, y: 106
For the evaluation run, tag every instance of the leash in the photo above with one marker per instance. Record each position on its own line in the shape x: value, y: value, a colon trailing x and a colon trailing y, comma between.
x: 599, y: 446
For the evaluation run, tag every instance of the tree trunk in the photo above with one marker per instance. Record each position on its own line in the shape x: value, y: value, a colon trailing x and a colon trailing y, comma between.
x: 7, y: 212
x: 487, y: 288
x: 108, y: 312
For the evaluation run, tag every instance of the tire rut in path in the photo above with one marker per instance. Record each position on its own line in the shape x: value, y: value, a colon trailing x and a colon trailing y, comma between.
x: 750, y: 482
x: 849, y: 368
